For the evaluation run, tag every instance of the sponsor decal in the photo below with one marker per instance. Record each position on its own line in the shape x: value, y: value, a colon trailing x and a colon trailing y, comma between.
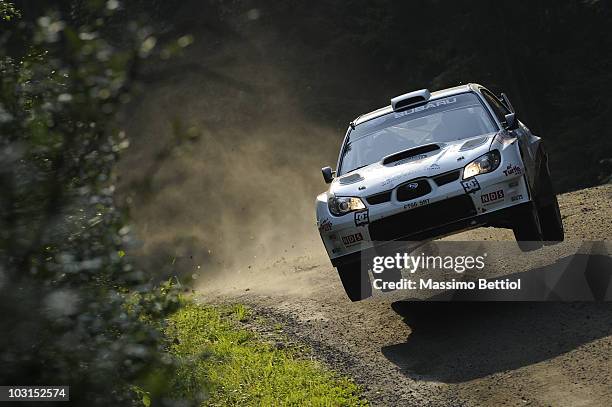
x: 513, y: 170
x: 362, y: 218
x: 412, y: 205
x: 412, y: 185
x: 492, y: 196
x: 395, y: 178
x: 470, y: 185
x: 325, y: 225
x: 429, y: 105
x: 433, y: 167
x: 504, y: 138
x: 352, y: 240
x: 461, y: 158
x: 336, y: 250
x: 361, y: 188
x: 518, y: 197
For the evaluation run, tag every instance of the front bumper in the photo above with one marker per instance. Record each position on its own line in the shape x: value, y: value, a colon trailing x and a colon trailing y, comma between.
x: 500, y: 218
x: 447, y: 209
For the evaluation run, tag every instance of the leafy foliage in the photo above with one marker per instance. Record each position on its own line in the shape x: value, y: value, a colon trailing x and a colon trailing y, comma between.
x: 8, y: 11
x: 75, y: 311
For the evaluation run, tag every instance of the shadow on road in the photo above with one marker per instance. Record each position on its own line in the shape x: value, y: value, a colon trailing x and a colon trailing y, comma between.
x: 459, y: 341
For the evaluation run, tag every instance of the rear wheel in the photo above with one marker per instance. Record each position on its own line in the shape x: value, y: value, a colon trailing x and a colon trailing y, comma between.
x: 355, y: 281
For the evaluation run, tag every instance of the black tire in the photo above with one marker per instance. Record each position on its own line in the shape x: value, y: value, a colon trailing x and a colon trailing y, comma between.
x: 552, y: 225
x: 526, y: 228
x: 548, y: 209
x: 355, y: 281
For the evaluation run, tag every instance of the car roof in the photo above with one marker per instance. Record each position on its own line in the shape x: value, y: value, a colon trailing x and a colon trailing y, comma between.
x: 434, y: 95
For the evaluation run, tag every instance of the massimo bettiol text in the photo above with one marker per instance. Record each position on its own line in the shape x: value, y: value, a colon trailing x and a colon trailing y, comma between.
x: 408, y: 263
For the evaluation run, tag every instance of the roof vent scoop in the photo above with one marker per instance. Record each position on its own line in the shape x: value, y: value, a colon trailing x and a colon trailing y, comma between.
x: 410, y: 99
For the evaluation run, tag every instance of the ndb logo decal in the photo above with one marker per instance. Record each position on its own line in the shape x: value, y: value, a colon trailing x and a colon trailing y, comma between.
x: 492, y: 196
x: 362, y: 218
x: 412, y: 185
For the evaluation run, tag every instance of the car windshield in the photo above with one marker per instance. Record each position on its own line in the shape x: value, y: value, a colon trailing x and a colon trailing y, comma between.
x: 441, y: 120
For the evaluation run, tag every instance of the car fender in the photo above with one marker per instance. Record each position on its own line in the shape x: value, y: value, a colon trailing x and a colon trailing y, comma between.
x: 529, y: 146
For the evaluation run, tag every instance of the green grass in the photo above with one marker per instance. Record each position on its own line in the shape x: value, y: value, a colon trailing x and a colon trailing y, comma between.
x: 222, y: 364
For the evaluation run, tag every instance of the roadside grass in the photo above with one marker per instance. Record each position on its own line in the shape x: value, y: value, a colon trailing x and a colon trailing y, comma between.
x: 221, y: 364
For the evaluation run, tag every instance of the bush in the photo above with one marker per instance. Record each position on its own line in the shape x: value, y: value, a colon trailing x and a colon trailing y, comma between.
x: 74, y: 310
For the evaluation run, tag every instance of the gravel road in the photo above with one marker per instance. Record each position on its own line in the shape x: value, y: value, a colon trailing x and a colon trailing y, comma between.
x: 451, y: 353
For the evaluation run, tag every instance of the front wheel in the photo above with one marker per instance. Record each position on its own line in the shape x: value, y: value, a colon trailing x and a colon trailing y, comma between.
x: 548, y: 209
x: 355, y: 281
x: 527, y: 229
x: 552, y: 226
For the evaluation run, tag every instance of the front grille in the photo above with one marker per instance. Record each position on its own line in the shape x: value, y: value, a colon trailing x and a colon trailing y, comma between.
x: 425, y: 217
x: 412, y: 190
x: 447, y: 178
x: 379, y: 198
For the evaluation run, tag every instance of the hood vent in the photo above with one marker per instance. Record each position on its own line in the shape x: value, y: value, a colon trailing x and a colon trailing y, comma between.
x: 411, y: 153
x: 470, y: 144
x: 350, y: 179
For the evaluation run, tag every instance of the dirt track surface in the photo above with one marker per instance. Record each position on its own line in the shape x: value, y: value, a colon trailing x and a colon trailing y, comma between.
x: 450, y: 353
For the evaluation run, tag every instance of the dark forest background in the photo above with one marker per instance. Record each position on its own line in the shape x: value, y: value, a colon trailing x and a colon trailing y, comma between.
x: 229, y: 109
x: 267, y: 90
x: 344, y: 58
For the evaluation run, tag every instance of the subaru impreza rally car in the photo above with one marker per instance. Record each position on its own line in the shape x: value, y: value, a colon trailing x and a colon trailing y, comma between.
x: 430, y: 165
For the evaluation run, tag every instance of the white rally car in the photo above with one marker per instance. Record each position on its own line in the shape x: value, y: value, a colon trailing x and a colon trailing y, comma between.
x: 430, y: 165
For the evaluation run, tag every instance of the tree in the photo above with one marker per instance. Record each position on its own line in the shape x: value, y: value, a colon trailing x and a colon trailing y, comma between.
x: 74, y: 310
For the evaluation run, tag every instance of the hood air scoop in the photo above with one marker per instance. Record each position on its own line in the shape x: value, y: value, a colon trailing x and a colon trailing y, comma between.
x: 350, y: 179
x: 410, y: 153
x: 470, y: 144
x: 410, y: 99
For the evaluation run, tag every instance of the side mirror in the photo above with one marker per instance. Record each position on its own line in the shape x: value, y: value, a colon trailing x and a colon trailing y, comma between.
x: 505, y: 100
x: 328, y: 174
x: 511, y: 121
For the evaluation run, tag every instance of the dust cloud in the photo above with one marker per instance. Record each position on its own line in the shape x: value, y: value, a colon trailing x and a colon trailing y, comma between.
x: 223, y: 170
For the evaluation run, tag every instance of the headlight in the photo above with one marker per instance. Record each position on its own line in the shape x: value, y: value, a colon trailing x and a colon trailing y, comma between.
x: 485, y: 163
x: 341, y: 205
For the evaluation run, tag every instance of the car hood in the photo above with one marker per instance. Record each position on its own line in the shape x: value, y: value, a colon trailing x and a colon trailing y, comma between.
x: 404, y: 166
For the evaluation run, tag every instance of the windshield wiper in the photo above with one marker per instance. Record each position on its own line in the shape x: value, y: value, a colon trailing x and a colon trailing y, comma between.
x: 355, y: 169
